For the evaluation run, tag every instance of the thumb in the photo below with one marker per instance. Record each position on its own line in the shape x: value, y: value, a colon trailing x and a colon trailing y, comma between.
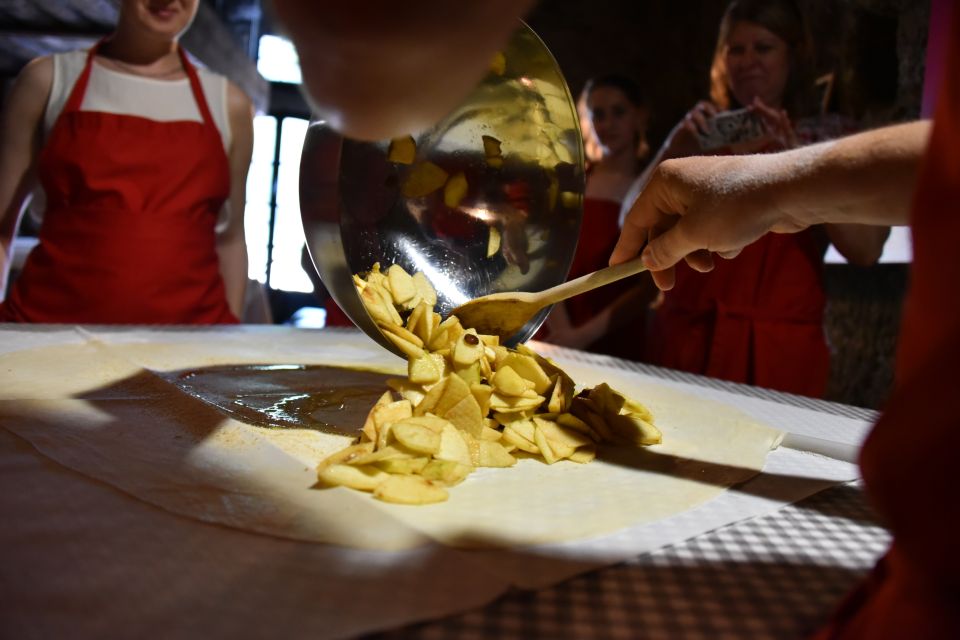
x: 668, y: 249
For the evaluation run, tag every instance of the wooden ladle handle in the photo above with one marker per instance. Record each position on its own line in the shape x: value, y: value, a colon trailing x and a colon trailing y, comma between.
x: 593, y: 280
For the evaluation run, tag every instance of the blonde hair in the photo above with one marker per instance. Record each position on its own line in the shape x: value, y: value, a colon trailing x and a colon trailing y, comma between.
x: 784, y: 19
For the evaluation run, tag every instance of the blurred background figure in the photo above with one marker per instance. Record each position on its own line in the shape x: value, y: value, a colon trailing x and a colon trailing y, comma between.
x: 142, y: 162
x: 757, y: 318
x: 613, y: 117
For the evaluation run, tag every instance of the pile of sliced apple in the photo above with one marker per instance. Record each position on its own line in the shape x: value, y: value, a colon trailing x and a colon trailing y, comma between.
x: 468, y: 402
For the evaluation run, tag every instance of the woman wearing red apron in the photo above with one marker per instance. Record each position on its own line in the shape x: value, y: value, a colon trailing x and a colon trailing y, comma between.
x: 758, y: 318
x: 129, y: 232
x: 613, y: 115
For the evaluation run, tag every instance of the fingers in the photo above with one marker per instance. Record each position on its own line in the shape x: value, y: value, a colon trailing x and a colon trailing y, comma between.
x: 697, y: 119
x: 729, y: 255
x: 632, y: 238
x: 776, y: 121
x: 666, y: 250
x: 700, y: 260
x: 664, y: 279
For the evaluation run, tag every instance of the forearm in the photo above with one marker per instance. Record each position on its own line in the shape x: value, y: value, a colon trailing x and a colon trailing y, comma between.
x: 863, y: 179
x: 232, y: 254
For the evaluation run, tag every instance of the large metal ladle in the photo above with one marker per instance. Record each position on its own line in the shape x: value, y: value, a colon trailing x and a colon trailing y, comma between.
x: 515, y: 229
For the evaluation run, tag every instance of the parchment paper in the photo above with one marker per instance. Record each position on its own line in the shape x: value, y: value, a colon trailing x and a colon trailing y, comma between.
x: 112, y: 417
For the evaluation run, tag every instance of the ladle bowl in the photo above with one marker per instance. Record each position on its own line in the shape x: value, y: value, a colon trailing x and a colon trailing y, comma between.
x: 514, y: 227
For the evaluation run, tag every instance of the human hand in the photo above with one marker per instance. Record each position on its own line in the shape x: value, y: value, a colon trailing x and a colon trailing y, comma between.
x: 697, y: 119
x: 777, y: 125
x: 695, y: 207
x: 683, y: 138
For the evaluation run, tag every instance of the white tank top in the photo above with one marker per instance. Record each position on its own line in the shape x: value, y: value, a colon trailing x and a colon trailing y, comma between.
x: 126, y: 94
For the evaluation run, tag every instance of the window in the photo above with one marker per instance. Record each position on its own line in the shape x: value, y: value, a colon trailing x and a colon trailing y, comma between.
x: 898, y: 248
x: 277, y: 60
x: 274, y: 232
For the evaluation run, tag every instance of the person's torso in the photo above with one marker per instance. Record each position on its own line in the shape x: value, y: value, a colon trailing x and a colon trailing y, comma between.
x: 908, y: 460
x: 111, y: 91
x: 756, y: 319
x: 129, y: 229
x: 777, y: 277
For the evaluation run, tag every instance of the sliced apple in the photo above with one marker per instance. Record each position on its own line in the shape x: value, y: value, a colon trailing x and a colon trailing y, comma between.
x: 468, y: 348
x: 423, y: 179
x: 409, y: 349
x: 403, y: 332
x: 344, y: 456
x: 453, y: 447
x: 416, y: 437
x: 498, y: 64
x: 584, y: 455
x: 361, y: 478
x: 446, y: 472
x: 493, y: 454
x: 507, y: 382
x: 401, y: 284
x: 369, y: 430
x: 423, y: 369
x: 427, y: 293
x: 491, y: 146
x: 402, y: 150
x: 403, y: 489
x: 493, y: 242
x: 529, y: 369
x: 404, y: 466
x: 546, y: 450
x: 566, y: 437
x: 481, y: 393
x: 633, y: 429
x: 512, y: 437
x: 455, y: 190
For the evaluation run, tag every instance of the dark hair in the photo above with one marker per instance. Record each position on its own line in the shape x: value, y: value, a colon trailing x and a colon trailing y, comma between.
x: 784, y: 19
x: 626, y: 85
x: 629, y: 88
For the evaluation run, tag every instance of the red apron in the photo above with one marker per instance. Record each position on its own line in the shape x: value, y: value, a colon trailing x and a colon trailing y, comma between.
x: 598, y: 236
x: 910, y: 459
x: 756, y: 319
x: 128, y: 235
x: 599, y: 231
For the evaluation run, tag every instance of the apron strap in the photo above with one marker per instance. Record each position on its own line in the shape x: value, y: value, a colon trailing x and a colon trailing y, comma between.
x: 79, y: 90
x: 198, y: 95
x: 80, y: 86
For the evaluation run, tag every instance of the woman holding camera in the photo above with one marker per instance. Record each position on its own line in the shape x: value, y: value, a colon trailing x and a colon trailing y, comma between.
x: 758, y: 318
x: 613, y: 117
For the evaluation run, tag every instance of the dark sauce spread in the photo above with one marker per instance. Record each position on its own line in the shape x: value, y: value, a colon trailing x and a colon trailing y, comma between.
x: 323, y: 398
